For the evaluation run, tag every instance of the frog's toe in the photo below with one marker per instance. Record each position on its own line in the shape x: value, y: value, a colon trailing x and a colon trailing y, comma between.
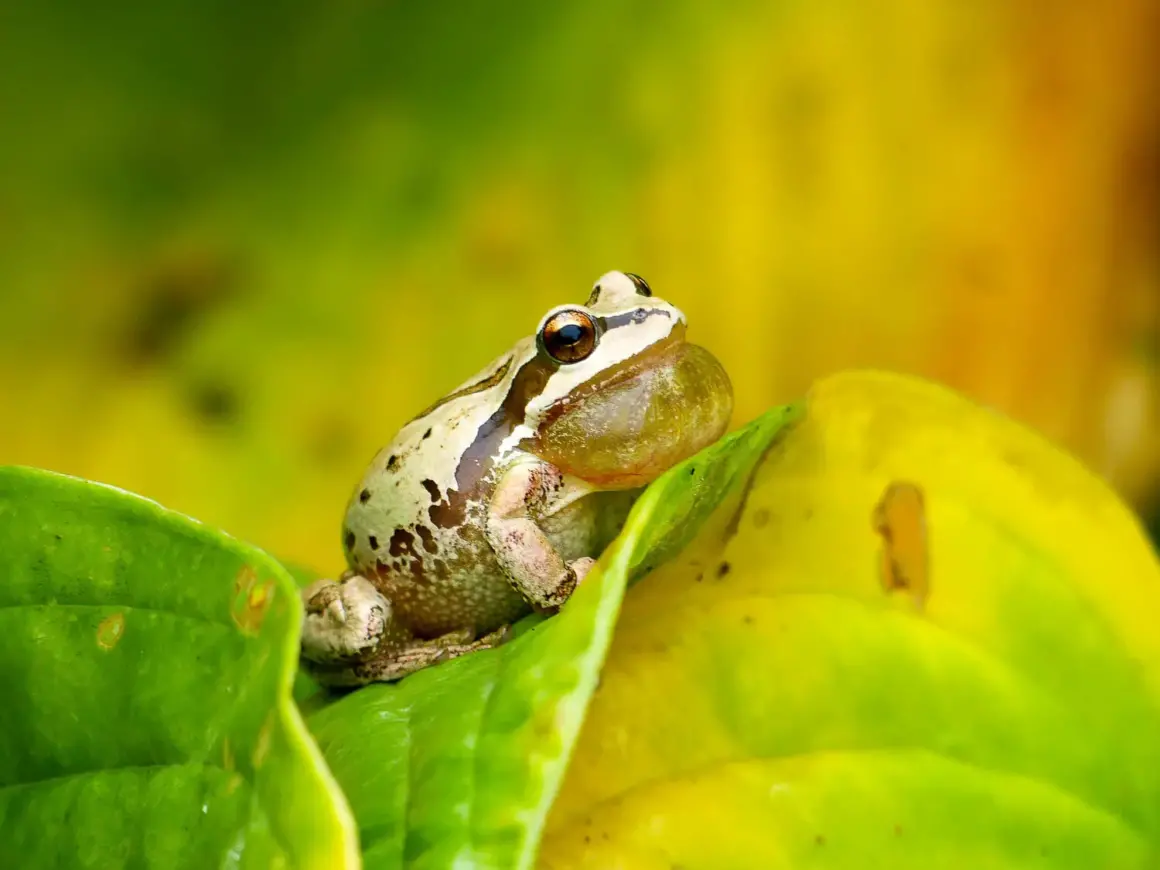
x: 581, y: 567
x: 344, y: 621
x: 497, y: 638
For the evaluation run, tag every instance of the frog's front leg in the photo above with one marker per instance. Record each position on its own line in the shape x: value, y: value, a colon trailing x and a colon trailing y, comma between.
x: 523, y: 550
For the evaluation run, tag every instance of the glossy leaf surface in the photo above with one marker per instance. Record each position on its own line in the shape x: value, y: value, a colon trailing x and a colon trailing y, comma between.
x: 146, y: 664
x: 930, y: 642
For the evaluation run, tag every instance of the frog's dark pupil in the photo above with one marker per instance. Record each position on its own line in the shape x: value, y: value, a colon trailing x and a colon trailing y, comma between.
x: 570, y: 333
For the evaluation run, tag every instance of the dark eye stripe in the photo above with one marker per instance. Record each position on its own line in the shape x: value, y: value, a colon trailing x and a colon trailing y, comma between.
x: 637, y: 315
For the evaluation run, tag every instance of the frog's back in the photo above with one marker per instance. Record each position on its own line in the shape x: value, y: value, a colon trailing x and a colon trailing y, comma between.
x: 415, y: 523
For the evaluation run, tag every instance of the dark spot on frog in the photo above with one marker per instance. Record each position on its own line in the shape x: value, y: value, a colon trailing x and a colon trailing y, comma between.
x: 760, y: 518
x: 747, y: 619
x: 392, y: 460
x: 348, y: 539
x: 819, y: 840
x: 723, y: 569
x: 402, y: 548
x: 445, y: 516
x: 58, y: 537
x: 402, y: 543
x: 898, y: 830
x: 426, y: 434
x: 364, y: 496
x: 428, y: 538
x: 373, y: 541
x: 432, y: 490
x: 587, y: 838
x: 700, y: 576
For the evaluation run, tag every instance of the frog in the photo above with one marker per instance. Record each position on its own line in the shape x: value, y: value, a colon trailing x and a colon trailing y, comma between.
x: 496, y: 500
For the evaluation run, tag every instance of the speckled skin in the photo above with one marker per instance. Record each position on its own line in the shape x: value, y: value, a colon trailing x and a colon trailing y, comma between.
x: 440, y: 573
x: 458, y: 528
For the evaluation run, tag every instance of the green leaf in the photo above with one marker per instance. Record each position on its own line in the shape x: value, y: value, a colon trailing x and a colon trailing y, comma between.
x: 147, y: 663
x: 459, y: 764
x: 931, y: 640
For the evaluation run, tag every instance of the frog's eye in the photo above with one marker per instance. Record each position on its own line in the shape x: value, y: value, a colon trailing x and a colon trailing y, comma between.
x: 641, y: 285
x: 569, y: 336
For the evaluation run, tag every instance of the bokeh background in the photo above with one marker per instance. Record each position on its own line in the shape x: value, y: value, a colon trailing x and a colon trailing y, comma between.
x: 240, y: 244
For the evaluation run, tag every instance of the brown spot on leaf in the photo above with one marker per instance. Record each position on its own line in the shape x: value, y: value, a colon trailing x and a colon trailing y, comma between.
x: 262, y: 745
x: 900, y: 518
x: 110, y: 630
x: 251, y: 600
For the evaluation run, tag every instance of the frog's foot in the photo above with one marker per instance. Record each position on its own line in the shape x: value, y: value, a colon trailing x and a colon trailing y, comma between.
x: 552, y: 601
x: 400, y: 662
x: 345, y: 620
x: 581, y: 567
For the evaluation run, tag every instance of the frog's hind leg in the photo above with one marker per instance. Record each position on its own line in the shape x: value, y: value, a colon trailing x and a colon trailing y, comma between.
x: 397, y: 663
x: 346, y: 620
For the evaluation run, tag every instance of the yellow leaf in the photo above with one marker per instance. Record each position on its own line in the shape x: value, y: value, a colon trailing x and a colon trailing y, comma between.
x: 932, y: 639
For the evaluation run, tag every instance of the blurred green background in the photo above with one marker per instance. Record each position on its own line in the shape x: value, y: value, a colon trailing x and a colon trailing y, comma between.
x: 241, y: 243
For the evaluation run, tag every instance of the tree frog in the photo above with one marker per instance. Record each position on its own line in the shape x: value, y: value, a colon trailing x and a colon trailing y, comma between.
x: 496, y: 500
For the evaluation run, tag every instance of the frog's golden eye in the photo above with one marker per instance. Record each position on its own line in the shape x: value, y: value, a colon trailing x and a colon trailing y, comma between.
x: 641, y: 285
x: 569, y: 336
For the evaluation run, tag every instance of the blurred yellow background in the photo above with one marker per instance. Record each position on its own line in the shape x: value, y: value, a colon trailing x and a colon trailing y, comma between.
x: 240, y: 244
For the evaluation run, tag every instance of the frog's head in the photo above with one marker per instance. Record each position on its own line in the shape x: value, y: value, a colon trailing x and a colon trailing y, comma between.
x: 627, y: 397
